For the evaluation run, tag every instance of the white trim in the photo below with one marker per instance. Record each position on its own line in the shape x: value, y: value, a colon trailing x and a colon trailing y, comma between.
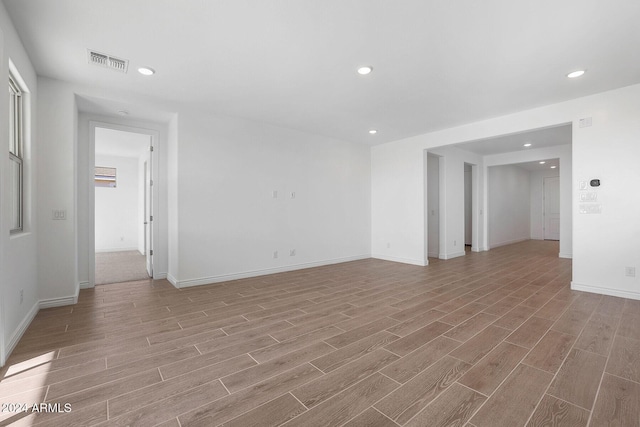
x: 101, y: 251
x: 433, y: 254
x: 90, y: 174
x: 172, y: 280
x: 86, y: 285
x: 20, y: 330
x: 605, y: 291
x: 452, y: 255
x: 235, y: 276
x: 159, y: 276
x: 419, y: 262
x: 58, y: 302
x: 24, y: 324
x: 563, y: 255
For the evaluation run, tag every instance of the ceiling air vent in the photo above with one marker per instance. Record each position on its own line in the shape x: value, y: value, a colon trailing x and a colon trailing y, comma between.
x: 108, y: 61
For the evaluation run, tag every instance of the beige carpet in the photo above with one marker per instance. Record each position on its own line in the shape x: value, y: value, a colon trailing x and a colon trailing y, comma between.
x: 116, y: 267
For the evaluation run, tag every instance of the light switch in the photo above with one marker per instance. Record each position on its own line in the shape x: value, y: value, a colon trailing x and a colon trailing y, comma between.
x: 586, y: 122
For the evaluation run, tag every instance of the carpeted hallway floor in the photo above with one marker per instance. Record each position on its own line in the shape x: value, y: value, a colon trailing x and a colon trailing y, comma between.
x: 116, y: 267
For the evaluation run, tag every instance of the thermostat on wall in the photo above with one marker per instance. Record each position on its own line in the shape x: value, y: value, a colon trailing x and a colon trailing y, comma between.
x: 595, y: 183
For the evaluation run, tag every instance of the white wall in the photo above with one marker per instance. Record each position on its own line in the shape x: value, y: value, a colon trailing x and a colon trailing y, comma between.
x: 509, y: 205
x: 397, y: 204
x: 57, y: 248
x: 536, y: 184
x: 603, y: 244
x: 18, y: 253
x: 141, y: 201
x: 606, y: 243
x: 433, y: 205
x: 229, y: 223
x: 67, y: 177
x: 468, y: 200
x: 216, y: 195
x: 452, y: 201
x: 172, y: 196
x: 117, y: 214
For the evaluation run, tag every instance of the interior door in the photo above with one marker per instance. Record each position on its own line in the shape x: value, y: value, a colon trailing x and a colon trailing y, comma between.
x: 551, y: 196
x: 148, y: 213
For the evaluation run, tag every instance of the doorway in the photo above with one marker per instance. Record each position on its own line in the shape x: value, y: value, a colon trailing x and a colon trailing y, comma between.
x: 551, y: 196
x: 123, y: 205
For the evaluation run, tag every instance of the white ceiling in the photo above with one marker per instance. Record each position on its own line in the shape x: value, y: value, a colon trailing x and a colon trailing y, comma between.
x: 436, y: 64
x: 112, y: 142
x: 536, y: 166
x: 539, y: 138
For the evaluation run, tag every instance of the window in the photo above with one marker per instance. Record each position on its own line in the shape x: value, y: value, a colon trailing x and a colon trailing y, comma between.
x: 105, y: 177
x: 16, y: 148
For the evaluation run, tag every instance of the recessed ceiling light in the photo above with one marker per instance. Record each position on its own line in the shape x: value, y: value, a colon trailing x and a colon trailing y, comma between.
x: 542, y: 162
x: 528, y: 144
x: 575, y: 74
x: 553, y: 167
x: 373, y: 131
x: 146, y: 71
x: 123, y: 112
x: 365, y: 70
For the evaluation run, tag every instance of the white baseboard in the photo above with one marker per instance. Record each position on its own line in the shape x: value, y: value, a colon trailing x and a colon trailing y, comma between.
x: 419, y: 262
x: 58, y: 302
x: 20, y: 330
x: 235, y: 276
x: 605, y: 291
x: 172, y: 280
x: 159, y: 276
x: 452, y: 255
x: 24, y: 324
x: 565, y: 255
x: 433, y: 254
x: 85, y: 285
x: 103, y: 251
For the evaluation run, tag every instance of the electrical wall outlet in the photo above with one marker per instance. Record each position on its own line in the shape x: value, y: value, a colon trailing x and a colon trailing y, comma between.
x: 630, y: 271
x: 275, y: 254
x: 59, y: 214
x: 292, y: 252
x: 21, y: 295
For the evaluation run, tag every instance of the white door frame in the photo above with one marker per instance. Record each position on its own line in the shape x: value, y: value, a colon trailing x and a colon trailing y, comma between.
x: 147, y: 202
x: 93, y: 124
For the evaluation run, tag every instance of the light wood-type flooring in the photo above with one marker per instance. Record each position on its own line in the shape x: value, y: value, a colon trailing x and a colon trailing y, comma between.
x: 492, y: 339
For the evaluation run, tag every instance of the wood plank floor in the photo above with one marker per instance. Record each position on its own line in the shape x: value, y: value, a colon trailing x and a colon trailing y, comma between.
x: 490, y: 339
